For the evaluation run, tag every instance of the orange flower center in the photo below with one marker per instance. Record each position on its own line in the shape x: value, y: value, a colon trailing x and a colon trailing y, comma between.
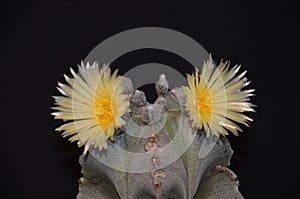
x: 103, y: 111
x: 205, y: 106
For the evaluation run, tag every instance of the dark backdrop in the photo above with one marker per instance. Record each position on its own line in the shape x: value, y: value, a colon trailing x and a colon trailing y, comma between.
x: 40, y: 40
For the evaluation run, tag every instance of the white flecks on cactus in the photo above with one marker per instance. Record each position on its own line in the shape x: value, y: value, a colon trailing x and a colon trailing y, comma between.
x: 207, y: 145
x: 163, y: 102
x: 180, y: 96
x: 151, y: 113
x: 138, y: 98
x: 150, y: 130
x: 128, y: 86
x: 162, y: 85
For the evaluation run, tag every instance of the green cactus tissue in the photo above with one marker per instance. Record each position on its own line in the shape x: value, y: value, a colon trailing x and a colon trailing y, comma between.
x: 173, y: 148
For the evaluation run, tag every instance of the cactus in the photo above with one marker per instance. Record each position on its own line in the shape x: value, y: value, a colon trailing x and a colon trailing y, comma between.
x: 173, y: 148
x: 188, y: 177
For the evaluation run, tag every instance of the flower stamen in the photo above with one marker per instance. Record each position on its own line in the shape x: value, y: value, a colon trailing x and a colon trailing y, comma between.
x: 103, y: 111
x: 205, y: 106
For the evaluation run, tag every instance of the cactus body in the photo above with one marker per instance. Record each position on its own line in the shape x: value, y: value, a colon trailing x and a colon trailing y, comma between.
x: 188, y: 177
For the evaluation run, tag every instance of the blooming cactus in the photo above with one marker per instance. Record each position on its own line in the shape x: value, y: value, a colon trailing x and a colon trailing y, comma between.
x: 174, y: 148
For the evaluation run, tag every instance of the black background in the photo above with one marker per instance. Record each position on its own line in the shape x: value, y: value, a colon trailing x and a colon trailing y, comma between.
x: 40, y: 40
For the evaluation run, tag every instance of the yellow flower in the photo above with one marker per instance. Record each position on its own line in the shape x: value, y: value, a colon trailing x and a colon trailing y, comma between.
x: 93, y: 103
x: 215, y: 99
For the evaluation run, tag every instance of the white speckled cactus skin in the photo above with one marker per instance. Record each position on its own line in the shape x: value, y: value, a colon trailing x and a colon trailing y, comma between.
x: 189, y: 177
